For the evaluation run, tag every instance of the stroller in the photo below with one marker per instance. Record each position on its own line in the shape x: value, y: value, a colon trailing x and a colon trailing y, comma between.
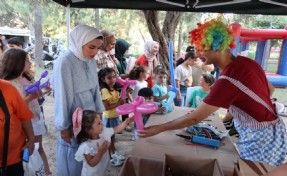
x: 48, y: 60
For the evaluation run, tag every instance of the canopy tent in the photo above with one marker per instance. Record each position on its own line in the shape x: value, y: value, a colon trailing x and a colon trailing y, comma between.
x: 265, y: 7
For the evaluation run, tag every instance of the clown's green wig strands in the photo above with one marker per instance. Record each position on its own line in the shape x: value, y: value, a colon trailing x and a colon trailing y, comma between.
x: 212, y: 35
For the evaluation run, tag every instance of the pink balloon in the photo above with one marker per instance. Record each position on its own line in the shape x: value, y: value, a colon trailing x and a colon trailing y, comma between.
x: 125, y: 83
x: 138, y: 106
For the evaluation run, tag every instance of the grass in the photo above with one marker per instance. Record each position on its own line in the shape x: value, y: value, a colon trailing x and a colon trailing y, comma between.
x: 281, y: 95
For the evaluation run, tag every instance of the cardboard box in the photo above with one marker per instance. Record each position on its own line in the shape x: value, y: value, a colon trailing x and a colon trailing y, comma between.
x: 251, y: 168
x: 190, y: 166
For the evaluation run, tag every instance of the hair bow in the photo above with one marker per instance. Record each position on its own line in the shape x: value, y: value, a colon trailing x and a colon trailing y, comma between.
x: 77, y: 121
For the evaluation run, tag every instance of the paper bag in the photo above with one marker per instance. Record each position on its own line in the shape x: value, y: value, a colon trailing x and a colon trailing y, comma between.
x: 188, y: 166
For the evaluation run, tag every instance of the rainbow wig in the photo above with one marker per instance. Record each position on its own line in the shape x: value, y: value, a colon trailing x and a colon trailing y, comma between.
x: 212, y: 35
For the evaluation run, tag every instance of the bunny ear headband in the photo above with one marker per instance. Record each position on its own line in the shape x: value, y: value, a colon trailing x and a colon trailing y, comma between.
x: 212, y: 35
x: 77, y: 121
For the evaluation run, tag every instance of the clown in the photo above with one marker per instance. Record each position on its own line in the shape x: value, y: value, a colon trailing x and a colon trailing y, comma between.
x: 243, y: 88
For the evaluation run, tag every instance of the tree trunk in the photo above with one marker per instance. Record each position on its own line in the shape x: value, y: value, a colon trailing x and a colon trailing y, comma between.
x: 38, y: 33
x: 179, y: 39
x: 162, y: 36
x: 97, y: 18
x: 170, y: 24
x: 30, y: 24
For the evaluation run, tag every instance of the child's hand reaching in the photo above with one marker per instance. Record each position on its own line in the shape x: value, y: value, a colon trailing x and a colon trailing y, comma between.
x: 166, y: 96
x: 161, y: 109
x: 123, y: 125
x: 121, y: 101
x: 104, y: 147
x: 129, y: 120
x: 33, y: 96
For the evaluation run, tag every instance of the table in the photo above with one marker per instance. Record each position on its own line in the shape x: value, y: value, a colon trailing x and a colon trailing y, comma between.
x: 147, y: 156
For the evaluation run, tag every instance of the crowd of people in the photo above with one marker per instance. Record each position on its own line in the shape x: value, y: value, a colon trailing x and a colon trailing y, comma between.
x: 86, y: 96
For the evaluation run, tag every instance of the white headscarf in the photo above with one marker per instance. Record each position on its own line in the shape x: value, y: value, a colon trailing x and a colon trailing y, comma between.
x: 150, y: 57
x: 81, y: 35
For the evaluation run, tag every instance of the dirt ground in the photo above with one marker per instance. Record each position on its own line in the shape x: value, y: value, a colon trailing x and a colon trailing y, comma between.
x: 124, y: 144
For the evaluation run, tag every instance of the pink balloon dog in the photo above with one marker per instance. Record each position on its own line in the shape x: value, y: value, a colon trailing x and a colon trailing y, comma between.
x: 138, y: 106
x: 125, y: 83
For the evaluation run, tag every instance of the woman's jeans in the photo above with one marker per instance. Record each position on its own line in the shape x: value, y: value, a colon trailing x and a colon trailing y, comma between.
x: 183, y: 90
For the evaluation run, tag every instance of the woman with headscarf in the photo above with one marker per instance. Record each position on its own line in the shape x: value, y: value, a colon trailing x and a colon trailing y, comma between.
x: 75, y: 85
x: 105, y: 56
x: 149, y: 59
x: 122, y: 47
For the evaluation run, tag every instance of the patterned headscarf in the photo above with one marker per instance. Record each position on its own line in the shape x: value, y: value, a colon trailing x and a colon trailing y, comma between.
x: 81, y: 35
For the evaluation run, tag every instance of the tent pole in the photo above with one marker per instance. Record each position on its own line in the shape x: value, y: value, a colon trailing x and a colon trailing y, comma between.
x: 68, y: 22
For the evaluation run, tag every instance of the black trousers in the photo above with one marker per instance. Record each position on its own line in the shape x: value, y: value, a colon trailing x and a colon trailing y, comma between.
x: 15, y: 170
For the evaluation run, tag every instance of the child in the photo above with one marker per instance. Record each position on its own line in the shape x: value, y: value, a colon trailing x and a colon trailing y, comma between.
x: 196, y: 97
x: 21, y: 133
x: 17, y: 61
x: 183, y: 76
x: 111, y: 100
x: 160, y: 89
x: 139, y: 74
x: 94, y: 140
x: 147, y: 93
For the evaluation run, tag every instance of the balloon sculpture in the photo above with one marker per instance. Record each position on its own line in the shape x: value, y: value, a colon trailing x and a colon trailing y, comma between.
x: 172, y: 91
x: 168, y: 104
x: 125, y: 83
x: 171, y: 68
x: 33, y: 88
x: 138, y: 106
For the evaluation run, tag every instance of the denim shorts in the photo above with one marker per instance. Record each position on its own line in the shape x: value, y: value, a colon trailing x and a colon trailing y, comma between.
x: 111, y: 122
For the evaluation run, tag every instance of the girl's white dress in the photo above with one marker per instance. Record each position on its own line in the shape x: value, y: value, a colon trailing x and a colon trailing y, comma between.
x: 90, y: 147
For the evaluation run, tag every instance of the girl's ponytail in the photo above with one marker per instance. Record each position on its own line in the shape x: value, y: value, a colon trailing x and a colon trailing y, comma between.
x: 135, y: 73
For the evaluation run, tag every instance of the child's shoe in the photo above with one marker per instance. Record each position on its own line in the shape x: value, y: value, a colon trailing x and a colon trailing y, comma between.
x: 118, y: 156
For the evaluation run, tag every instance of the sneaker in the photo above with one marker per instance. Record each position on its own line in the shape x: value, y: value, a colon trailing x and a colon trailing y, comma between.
x: 116, y: 162
x: 118, y: 156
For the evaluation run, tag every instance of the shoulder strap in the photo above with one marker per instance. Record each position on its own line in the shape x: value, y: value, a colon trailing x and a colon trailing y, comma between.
x: 6, y: 133
x: 248, y: 92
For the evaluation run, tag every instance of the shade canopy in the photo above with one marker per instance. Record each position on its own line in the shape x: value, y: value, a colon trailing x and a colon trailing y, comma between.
x: 264, y: 7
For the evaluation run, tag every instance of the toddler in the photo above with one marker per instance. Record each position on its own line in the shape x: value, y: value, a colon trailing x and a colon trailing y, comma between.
x: 94, y: 140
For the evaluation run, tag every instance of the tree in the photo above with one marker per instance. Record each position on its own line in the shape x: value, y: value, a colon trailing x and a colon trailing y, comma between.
x: 38, y: 32
x: 97, y: 18
x: 166, y: 34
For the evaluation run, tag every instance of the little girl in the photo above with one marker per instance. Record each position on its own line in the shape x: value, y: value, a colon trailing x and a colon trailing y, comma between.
x: 196, y: 97
x: 139, y: 74
x: 17, y: 61
x: 94, y: 140
x: 183, y: 77
x: 111, y: 100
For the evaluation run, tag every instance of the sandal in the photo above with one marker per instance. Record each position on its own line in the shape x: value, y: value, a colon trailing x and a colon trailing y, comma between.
x: 118, y: 156
x: 129, y: 129
x: 115, y: 162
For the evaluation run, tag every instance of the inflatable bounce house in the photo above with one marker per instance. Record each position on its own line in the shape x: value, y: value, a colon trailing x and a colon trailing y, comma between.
x: 262, y: 37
